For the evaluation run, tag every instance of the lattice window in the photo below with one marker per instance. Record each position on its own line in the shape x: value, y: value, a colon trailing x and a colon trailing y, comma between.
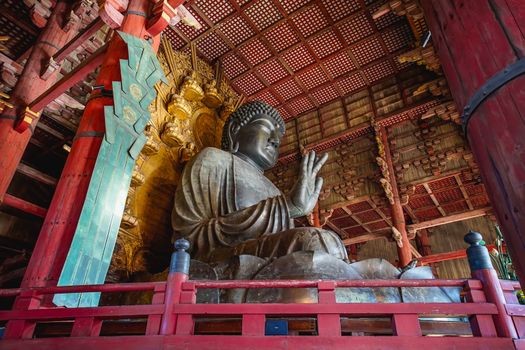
x: 310, y: 20
x: 378, y: 71
x: 255, y: 52
x: 248, y: 84
x: 282, y: 37
x: 325, y: 94
x: 292, y: 5
x: 355, y: 29
x: 288, y: 89
x: 325, y: 44
x: 263, y: 14
x: 215, y: 10
x: 190, y: 32
x: 338, y: 9
x: 298, y: 57
x: 339, y: 64
x: 272, y: 71
x: 368, y: 51
x: 351, y: 83
x: 236, y: 29
x: 313, y: 77
x: 398, y: 37
x: 212, y: 46
x: 176, y: 41
x: 233, y: 65
x: 268, y: 97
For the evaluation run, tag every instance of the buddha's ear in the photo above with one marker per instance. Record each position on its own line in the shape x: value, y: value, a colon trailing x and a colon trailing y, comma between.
x: 233, y: 129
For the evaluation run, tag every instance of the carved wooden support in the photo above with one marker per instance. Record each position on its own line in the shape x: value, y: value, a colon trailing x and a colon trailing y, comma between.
x: 111, y: 12
x: 162, y: 14
x: 25, y: 120
x: 446, y: 111
x: 422, y: 56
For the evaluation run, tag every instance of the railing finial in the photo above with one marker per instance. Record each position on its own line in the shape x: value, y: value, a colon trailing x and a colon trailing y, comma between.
x: 180, y: 259
x: 478, y: 255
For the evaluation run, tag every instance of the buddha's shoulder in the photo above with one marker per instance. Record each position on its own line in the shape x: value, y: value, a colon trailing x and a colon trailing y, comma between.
x: 213, y: 154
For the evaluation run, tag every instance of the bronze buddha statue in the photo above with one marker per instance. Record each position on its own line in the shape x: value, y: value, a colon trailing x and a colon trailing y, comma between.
x: 240, y: 225
x: 225, y: 206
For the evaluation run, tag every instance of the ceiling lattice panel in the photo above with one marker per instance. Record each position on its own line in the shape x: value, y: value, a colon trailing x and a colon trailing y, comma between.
x: 297, y: 54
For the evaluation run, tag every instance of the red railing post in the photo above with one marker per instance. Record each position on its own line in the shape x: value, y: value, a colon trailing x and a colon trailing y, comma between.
x: 481, y: 268
x: 23, y: 329
x: 327, y: 325
x: 178, y: 274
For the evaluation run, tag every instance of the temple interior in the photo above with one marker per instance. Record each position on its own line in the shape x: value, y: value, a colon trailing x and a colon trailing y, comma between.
x: 332, y: 69
x: 383, y: 87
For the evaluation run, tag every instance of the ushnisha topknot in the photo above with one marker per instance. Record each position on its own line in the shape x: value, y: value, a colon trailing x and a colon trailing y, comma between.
x: 244, y: 114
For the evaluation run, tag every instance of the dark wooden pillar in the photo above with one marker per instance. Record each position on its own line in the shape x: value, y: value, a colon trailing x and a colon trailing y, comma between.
x: 481, y: 46
x: 29, y: 86
x: 62, y: 217
x: 398, y: 217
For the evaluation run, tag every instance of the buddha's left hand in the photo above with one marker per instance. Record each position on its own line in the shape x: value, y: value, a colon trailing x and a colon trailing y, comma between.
x: 304, y: 194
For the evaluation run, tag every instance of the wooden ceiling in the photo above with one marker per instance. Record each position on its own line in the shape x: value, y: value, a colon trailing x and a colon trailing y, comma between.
x: 295, y: 54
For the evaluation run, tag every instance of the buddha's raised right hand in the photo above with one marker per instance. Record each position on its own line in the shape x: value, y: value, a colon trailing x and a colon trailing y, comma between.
x: 304, y: 194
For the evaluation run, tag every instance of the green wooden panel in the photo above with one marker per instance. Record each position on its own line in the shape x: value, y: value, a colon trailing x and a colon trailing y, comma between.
x: 94, y: 240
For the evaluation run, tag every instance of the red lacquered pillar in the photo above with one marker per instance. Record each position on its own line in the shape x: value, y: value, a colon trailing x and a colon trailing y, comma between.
x: 62, y: 217
x: 29, y: 86
x: 481, y: 46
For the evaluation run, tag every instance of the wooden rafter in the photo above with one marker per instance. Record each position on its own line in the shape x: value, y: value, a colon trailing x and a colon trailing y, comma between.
x: 379, y: 212
x: 464, y: 192
x: 356, y: 219
x: 449, y: 219
x: 434, y: 199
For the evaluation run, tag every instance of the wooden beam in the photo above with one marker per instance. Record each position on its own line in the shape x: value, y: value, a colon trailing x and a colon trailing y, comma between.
x: 36, y: 174
x: 456, y: 254
x: 464, y: 192
x: 78, y: 40
x: 450, y: 219
x: 68, y: 80
x: 356, y: 219
x: 434, y: 199
x: 378, y: 211
x: 368, y: 237
x: 26, y: 207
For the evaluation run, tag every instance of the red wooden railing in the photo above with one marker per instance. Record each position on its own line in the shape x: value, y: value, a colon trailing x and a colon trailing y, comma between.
x: 495, y: 318
x: 173, y: 327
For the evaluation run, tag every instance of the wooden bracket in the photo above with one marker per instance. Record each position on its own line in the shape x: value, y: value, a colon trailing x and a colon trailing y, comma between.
x: 110, y: 12
x: 26, y: 120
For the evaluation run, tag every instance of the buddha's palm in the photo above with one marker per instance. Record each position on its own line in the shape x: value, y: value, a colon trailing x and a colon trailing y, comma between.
x: 303, y: 196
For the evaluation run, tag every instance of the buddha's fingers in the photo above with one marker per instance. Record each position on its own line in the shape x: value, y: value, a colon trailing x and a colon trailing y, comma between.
x: 318, y: 186
x: 319, y: 164
x: 311, y: 161
x: 304, y: 164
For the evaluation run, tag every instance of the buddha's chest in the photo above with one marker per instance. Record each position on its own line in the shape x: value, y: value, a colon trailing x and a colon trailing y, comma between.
x: 251, y: 186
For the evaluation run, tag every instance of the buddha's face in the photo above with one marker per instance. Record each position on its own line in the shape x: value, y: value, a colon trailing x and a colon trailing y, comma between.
x: 259, y: 141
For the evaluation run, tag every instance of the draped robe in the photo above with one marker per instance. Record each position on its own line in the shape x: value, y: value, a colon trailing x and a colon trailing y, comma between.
x: 226, y: 206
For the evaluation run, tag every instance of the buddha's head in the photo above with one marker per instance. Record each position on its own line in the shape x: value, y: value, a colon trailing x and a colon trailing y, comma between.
x: 254, y: 132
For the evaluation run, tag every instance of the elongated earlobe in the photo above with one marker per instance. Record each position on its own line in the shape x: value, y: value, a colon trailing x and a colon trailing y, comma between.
x: 233, y: 129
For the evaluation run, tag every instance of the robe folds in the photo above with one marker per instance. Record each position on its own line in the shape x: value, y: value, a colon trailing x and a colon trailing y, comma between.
x: 225, y: 206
